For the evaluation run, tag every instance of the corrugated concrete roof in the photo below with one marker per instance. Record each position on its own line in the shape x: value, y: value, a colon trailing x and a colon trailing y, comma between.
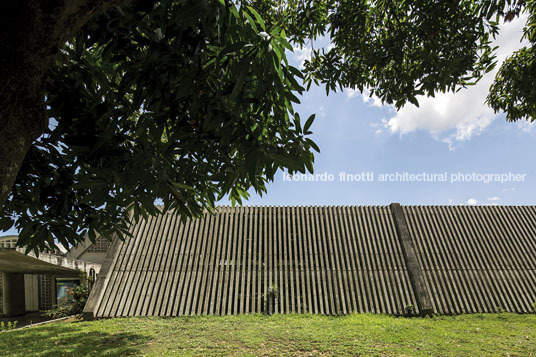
x: 476, y: 258
x: 326, y: 260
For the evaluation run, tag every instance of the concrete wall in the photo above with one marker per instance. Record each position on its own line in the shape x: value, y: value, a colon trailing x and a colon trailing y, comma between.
x: 1, y: 294
x: 93, y: 257
x: 31, y: 292
x: 327, y: 260
x: 91, y: 252
x: 13, y: 294
x: 39, y: 292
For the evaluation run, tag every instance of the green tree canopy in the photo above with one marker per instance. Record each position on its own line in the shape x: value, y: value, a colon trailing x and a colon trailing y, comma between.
x: 187, y: 101
x: 513, y: 90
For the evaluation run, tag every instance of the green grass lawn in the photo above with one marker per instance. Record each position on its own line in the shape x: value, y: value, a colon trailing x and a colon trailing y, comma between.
x: 302, y: 335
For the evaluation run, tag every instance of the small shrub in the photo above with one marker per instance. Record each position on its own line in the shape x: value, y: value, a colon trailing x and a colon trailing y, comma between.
x: 409, y: 309
x: 72, y: 304
x: 9, y: 326
x: 271, y: 298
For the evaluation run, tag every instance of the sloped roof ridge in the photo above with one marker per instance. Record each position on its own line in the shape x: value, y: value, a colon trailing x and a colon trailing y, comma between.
x: 374, y: 205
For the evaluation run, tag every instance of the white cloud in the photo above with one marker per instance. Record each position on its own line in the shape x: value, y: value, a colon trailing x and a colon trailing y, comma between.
x: 321, y: 111
x: 508, y: 189
x: 367, y: 98
x: 494, y: 199
x: 455, y: 117
x: 373, y: 100
x: 378, y: 127
x: 466, y: 115
x: 350, y: 92
x: 302, y: 54
x: 450, y: 142
x: 472, y: 202
x: 526, y: 125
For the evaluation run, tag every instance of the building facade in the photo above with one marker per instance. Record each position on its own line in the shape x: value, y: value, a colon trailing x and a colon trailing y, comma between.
x: 36, y: 283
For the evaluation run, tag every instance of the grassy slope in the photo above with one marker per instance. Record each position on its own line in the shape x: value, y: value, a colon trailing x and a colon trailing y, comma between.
x: 469, y: 335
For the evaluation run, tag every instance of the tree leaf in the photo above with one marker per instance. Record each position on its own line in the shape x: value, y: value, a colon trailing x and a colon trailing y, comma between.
x: 309, y: 122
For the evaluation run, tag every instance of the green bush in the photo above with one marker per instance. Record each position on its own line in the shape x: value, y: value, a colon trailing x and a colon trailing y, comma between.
x: 271, y: 299
x: 72, y: 304
x: 409, y: 310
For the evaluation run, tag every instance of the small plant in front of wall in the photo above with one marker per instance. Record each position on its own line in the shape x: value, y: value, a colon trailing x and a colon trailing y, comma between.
x: 271, y: 298
x: 72, y: 304
x: 534, y: 307
x: 409, y: 309
x: 11, y: 325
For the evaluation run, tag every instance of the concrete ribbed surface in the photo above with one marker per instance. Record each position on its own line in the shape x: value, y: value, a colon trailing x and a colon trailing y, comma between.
x: 324, y: 260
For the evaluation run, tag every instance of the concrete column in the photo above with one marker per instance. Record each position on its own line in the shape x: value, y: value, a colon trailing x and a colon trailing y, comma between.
x: 13, y: 294
x: 54, y: 297
x: 415, y: 273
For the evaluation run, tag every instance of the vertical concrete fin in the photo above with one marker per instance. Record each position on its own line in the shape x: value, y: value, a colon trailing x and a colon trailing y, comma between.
x: 414, y: 270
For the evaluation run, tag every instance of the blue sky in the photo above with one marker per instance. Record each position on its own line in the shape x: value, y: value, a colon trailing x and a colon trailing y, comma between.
x: 452, y: 133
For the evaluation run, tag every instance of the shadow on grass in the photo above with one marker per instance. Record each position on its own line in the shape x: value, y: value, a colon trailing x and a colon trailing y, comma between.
x: 70, y: 339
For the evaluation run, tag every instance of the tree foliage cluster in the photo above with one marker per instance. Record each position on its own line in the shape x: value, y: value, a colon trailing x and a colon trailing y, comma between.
x: 513, y: 90
x: 185, y: 101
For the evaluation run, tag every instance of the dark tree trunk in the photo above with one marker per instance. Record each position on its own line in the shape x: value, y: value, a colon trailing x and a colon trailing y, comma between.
x: 31, y: 32
x: 20, y: 125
